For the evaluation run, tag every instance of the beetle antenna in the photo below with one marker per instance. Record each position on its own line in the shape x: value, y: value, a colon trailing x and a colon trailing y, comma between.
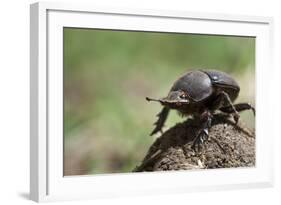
x: 151, y: 99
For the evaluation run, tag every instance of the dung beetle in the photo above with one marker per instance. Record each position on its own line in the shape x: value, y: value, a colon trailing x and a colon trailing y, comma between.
x: 199, y: 94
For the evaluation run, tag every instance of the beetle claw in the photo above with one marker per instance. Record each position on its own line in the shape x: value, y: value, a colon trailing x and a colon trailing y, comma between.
x: 200, y: 139
x: 236, y: 117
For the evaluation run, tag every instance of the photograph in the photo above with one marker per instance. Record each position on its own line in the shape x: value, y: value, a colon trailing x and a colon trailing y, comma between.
x: 141, y: 101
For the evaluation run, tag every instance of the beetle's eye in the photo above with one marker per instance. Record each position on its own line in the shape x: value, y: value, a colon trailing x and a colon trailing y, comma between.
x: 182, y: 96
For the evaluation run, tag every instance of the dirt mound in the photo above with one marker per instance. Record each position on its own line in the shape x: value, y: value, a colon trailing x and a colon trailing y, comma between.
x: 229, y: 145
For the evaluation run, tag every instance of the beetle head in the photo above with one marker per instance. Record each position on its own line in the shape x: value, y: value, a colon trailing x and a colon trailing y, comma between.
x: 173, y: 100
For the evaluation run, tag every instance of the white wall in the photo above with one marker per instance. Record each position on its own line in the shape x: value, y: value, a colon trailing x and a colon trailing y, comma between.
x: 14, y: 101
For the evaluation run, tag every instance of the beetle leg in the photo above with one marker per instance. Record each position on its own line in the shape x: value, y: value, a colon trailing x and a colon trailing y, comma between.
x: 239, y: 108
x: 162, y: 116
x: 200, y: 139
x: 203, y: 134
x: 230, y: 104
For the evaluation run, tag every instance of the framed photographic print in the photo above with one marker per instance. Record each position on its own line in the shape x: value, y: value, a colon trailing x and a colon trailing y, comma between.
x: 123, y: 98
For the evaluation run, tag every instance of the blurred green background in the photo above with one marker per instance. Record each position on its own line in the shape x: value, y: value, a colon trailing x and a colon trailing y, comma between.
x: 108, y: 74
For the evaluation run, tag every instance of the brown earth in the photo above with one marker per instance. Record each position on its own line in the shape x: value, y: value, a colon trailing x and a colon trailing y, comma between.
x: 229, y: 145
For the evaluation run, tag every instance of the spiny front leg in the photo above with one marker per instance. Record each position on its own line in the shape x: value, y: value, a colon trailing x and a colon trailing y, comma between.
x: 162, y: 116
x: 205, y: 121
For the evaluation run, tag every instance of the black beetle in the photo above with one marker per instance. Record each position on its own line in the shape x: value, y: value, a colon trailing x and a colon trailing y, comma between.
x: 200, y: 93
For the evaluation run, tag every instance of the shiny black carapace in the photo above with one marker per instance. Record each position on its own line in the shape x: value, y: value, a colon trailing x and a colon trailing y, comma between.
x: 200, y: 93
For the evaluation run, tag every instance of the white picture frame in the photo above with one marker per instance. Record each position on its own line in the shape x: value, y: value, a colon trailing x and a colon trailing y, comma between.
x: 47, y: 182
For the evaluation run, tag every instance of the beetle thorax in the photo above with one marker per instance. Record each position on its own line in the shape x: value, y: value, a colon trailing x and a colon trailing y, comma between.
x: 196, y: 84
